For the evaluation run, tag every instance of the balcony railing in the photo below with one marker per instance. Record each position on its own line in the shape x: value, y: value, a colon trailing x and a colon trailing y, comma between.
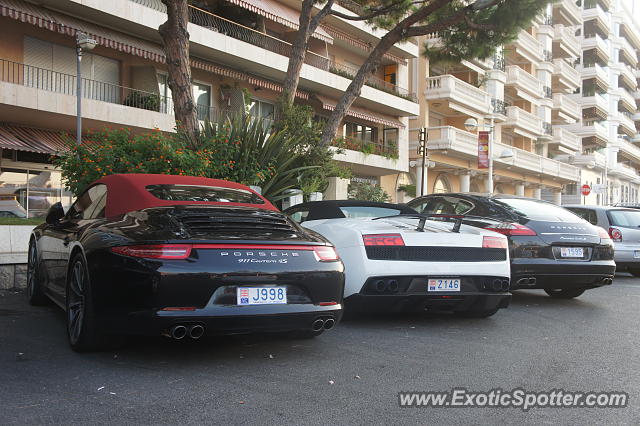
x: 54, y: 81
x: 520, y: 78
x: 499, y: 106
x: 547, y: 128
x: 367, y: 147
x: 350, y: 72
x: 450, y: 87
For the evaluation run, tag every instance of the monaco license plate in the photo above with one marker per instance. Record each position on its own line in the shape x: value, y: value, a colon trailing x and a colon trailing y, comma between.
x: 636, y: 254
x: 261, y: 295
x: 443, y: 284
x: 571, y: 252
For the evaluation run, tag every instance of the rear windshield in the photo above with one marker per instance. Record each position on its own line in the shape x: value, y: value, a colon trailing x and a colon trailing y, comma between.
x: 363, y: 211
x: 628, y: 218
x: 536, y: 210
x: 212, y: 194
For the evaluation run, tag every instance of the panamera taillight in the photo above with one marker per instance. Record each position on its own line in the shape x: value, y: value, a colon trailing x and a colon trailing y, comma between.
x: 512, y: 229
x: 325, y: 254
x: 155, y: 251
x: 604, y: 236
x: 494, y: 242
x: 383, y: 240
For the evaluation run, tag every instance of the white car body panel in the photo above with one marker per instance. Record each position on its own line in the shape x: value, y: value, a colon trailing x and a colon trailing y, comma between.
x: 346, y: 235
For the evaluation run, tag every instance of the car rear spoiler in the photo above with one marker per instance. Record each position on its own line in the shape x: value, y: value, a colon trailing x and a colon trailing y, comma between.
x: 423, y: 217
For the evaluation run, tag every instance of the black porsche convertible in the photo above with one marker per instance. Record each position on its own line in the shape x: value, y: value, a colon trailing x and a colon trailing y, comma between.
x: 183, y: 257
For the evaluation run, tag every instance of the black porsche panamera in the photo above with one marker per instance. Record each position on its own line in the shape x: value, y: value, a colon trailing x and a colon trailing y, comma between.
x: 183, y: 257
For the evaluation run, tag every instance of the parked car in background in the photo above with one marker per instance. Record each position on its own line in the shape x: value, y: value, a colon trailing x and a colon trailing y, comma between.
x: 183, y: 257
x: 398, y: 260
x: 623, y: 225
x: 551, y: 248
x: 9, y: 207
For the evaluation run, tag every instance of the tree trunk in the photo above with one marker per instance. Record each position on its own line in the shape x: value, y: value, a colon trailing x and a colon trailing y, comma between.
x: 175, y: 40
x: 308, y: 26
x: 354, y: 89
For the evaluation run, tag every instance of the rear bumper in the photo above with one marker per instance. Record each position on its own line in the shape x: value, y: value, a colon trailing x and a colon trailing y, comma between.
x: 550, y: 273
x: 221, y: 320
x: 625, y: 257
x: 420, y: 303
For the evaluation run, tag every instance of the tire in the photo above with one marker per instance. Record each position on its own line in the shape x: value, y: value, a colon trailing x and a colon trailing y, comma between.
x: 82, y: 327
x: 634, y: 271
x: 564, y: 294
x: 35, y: 292
x: 477, y: 314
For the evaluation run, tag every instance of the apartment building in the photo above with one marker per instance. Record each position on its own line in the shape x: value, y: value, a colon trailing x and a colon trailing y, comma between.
x: 239, y: 57
x: 610, y: 159
x: 523, y: 96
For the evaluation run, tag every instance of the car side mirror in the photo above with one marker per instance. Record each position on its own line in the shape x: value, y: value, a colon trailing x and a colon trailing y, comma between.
x: 55, y: 213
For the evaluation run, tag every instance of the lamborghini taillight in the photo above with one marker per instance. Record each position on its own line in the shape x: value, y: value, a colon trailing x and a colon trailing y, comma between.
x: 383, y: 240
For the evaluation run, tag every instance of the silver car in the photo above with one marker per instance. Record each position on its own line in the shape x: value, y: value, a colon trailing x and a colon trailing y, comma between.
x: 623, y: 226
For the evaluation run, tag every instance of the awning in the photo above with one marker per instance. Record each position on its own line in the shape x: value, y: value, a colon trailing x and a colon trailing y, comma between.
x: 31, y: 139
x: 281, y: 14
x: 362, y: 45
x: 256, y: 81
x: 63, y: 24
x: 361, y: 113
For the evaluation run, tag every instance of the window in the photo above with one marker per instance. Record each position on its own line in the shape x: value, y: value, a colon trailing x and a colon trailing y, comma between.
x: 262, y: 109
x: 390, y: 72
x: 30, y: 192
x: 587, y: 214
x: 201, y: 193
x: 52, y: 67
x: 202, y: 97
x: 390, y: 136
x: 364, y: 211
x: 537, y: 210
x: 360, y: 132
x: 625, y: 218
x: 299, y: 216
x: 89, y: 204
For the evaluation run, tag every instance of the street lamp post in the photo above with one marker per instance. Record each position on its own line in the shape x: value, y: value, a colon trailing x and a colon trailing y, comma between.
x: 83, y: 42
x: 471, y: 124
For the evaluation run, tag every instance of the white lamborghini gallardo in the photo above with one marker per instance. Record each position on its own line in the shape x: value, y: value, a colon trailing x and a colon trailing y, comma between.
x: 398, y: 260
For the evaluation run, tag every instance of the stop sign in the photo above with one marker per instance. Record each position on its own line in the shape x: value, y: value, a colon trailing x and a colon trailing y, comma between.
x: 586, y: 190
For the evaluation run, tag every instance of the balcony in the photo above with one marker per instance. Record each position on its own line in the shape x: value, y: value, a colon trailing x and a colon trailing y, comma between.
x: 594, y: 41
x: 628, y: 76
x: 526, y: 85
x: 459, y: 95
x: 626, y: 122
x: 29, y: 87
x: 565, y: 43
x: 629, y: 52
x: 567, y: 13
x: 594, y: 159
x: 528, y: 47
x: 532, y: 162
x: 565, y: 110
x: 631, y: 33
x: 629, y: 150
x: 565, y: 77
x: 447, y: 138
x: 523, y: 123
x: 596, y: 71
x: 567, y: 140
x: 627, y: 99
x: 597, y: 14
x: 595, y: 102
x: 623, y: 171
x: 591, y: 132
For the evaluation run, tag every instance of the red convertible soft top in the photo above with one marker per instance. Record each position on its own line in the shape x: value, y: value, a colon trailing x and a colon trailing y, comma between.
x: 128, y: 192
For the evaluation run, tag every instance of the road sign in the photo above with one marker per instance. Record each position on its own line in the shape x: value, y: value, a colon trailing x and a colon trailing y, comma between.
x: 586, y: 190
x: 599, y: 188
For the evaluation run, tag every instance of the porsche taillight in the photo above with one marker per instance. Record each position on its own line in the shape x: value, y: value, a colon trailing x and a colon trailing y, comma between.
x: 325, y: 254
x: 383, y: 240
x: 615, y: 234
x: 155, y: 251
x: 604, y: 236
x: 494, y: 242
x: 512, y: 229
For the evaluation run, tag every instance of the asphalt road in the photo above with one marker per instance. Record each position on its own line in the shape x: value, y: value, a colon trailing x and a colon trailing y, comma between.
x: 587, y: 344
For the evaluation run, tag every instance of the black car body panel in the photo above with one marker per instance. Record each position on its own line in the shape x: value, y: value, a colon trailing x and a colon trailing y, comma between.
x: 536, y: 260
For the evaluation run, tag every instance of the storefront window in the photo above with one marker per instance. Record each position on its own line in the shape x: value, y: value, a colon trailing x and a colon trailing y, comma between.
x: 30, y: 193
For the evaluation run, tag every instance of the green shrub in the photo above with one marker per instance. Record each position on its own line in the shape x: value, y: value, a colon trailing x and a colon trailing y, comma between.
x: 367, y: 192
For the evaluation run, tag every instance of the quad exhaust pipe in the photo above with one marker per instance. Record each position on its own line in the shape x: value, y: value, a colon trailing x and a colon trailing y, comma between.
x: 323, y: 324
x: 386, y: 286
x: 179, y: 332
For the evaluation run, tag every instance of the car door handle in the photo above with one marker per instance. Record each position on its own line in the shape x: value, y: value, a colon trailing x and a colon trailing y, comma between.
x: 66, y: 241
